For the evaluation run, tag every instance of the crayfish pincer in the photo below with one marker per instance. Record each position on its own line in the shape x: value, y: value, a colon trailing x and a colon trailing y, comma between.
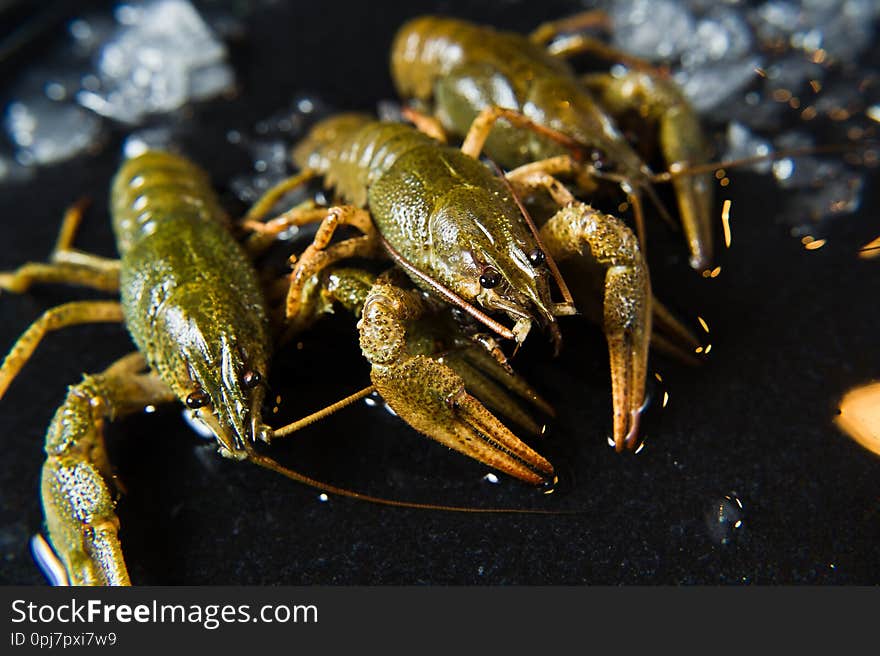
x: 190, y: 299
x: 429, y: 371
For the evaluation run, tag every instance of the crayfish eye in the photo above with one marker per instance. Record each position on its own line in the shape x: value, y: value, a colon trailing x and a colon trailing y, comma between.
x: 197, y: 399
x: 537, y: 257
x: 250, y: 379
x: 490, y: 278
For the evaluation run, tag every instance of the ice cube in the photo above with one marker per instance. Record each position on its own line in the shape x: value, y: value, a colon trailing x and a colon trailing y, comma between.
x: 46, y: 131
x: 708, y: 86
x: 162, y: 56
x: 654, y: 30
x: 834, y: 198
x: 157, y: 138
x: 795, y: 172
x: 743, y: 143
x: 776, y: 20
x: 722, y: 34
x: 792, y: 73
x: 755, y: 109
x: 209, y: 81
x: 848, y: 31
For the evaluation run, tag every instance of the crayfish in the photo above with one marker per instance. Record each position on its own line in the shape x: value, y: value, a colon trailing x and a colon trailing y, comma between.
x: 466, y: 75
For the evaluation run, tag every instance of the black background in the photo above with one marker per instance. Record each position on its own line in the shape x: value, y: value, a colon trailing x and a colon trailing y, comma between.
x: 791, y: 330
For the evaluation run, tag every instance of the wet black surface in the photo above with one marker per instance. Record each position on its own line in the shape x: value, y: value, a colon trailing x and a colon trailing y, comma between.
x: 791, y: 331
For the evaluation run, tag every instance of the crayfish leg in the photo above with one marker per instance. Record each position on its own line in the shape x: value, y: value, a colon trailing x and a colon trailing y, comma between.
x: 263, y: 206
x: 66, y: 265
x: 583, y: 20
x: 565, y: 38
x: 321, y: 254
x: 61, y: 316
x: 482, y: 125
x: 78, y: 503
x: 426, y: 124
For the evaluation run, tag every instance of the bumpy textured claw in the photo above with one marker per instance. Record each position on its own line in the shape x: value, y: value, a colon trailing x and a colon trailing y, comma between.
x: 484, y: 377
x: 628, y: 351
x: 591, y: 246
x: 492, y: 381
x: 430, y: 396
x: 78, y: 497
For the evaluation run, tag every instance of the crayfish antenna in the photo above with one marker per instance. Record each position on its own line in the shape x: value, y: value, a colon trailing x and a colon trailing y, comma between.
x: 273, y: 465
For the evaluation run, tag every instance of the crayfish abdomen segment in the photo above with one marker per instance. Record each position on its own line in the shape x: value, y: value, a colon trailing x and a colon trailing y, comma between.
x: 154, y: 187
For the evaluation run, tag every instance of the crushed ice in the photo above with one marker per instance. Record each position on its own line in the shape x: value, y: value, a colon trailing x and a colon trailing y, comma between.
x: 750, y: 69
x: 162, y: 56
x: 268, y: 143
x: 45, y: 131
x: 150, y: 58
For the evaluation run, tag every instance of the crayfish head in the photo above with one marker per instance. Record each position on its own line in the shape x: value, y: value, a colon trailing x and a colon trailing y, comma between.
x: 219, y: 376
x: 499, y: 265
x: 228, y: 397
x: 524, y: 298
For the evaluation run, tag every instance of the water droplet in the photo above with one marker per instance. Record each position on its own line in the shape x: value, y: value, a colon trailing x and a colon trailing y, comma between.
x: 55, y: 91
x: 725, y: 518
x: 491, y: 478
x: 323, y: 498
x: 80, y: 29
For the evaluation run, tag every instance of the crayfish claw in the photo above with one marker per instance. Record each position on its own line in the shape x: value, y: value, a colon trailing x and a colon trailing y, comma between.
x: 600, y: 250
x: 628, y: 356
x: 427, y: 386
x: 481, y: 384
x: 429, y: 396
